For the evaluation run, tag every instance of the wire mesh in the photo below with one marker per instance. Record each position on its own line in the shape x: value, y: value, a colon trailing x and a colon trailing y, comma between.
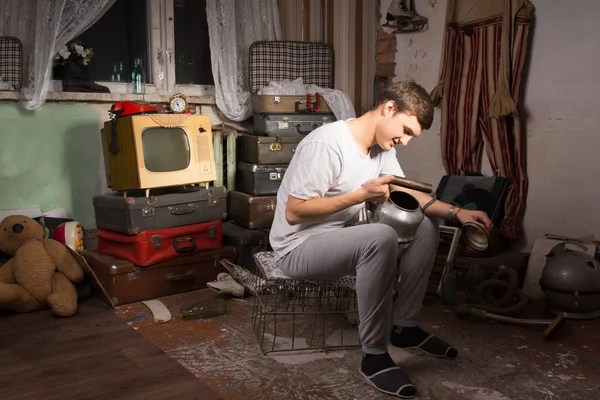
x: 296, y: 315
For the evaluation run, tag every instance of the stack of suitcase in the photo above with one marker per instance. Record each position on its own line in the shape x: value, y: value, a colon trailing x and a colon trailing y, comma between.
x: 280, y: 123
x: 158, y: 245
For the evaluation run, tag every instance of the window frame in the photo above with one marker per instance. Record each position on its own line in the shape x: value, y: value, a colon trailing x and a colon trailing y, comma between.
x: 161, y: 47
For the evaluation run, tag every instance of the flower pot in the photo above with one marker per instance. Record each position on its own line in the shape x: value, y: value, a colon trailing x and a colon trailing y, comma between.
x: 76, y: 78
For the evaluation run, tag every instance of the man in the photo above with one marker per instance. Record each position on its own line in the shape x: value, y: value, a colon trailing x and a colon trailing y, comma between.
x: 335, y: 170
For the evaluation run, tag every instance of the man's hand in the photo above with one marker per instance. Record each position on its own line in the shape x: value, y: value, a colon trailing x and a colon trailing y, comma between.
x: 376, y: 190
x: 465, y: 216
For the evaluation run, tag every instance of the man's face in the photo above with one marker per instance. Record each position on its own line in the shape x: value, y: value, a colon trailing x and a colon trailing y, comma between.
x: 396, y: 128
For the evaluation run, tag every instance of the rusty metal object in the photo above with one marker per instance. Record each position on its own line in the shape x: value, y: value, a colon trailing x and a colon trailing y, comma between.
x: 402, y: 212
x: 476, y: 236
x: 412, y: 184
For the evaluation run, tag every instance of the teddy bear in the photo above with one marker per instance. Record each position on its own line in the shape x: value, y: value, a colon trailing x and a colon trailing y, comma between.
x: 41, y: 273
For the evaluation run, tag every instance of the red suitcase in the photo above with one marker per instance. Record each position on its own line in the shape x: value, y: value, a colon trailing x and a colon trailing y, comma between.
x: 152, y: 246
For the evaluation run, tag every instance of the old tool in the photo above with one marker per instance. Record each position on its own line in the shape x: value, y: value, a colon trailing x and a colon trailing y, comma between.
x: 478, y: 313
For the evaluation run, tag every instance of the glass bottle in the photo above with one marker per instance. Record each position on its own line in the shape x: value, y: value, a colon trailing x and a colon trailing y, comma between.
x: 114, y: 75
x: 449, y: 287
x: 120, y: 72
x: 474, y: 277
x: 138, y: 77
x: 204, y: 309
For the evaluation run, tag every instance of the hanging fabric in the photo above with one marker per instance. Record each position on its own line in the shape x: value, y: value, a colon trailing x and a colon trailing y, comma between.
x: 485, y: 44
x: 43, y: 28
x: 233, y: 25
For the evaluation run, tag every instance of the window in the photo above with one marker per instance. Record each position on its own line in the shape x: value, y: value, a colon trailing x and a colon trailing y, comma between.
x: 170, y: 36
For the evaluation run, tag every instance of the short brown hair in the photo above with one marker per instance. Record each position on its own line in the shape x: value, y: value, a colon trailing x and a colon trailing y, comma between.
x: 410, y: 98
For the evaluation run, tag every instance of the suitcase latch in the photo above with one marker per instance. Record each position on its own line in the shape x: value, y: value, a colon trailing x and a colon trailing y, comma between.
x: 212, y: 200
x: 270, y: 206
x: 276, y: 99
x: 276, y: 146
x: 275, y: 176
x: 212, y: 232
x: 135, y: 275
x: 156, y: 242
x: 149, y: 212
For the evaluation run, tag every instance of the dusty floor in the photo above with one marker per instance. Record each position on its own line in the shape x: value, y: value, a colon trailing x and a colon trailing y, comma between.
x: 496, y: 362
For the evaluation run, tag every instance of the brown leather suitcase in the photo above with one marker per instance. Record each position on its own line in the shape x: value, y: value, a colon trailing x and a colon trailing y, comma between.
x: 252, y: 212
x: 125, y: 282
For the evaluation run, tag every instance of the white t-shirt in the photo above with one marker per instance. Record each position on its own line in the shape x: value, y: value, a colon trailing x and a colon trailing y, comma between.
x: 327, y: 163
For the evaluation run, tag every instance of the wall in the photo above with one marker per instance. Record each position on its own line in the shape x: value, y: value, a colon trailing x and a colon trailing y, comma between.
x: 52, y: 157
x: 560, y: 110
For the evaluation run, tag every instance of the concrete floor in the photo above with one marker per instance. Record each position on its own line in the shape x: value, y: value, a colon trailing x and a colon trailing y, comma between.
x: 496, y: 362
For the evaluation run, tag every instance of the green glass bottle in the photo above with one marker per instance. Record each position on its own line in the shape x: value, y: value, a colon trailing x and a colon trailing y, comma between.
x: 449, y: 287
x: 138, y: 77
x: 474, y: 278
x: 204, y: 309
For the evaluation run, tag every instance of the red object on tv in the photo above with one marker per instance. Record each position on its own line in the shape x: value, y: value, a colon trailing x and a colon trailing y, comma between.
x: 125, y: 108
x: 151, y: 246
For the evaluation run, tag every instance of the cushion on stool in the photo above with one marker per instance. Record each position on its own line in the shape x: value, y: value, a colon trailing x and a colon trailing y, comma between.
x: 268, y: 264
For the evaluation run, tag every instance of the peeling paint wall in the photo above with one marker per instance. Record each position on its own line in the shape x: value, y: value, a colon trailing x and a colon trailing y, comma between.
x: 53, y: 157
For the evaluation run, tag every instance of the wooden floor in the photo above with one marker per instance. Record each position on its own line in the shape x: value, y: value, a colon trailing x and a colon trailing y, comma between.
x: 94, y: 355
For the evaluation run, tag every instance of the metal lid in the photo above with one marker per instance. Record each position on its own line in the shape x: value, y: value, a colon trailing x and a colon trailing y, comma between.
x: 476, y: 236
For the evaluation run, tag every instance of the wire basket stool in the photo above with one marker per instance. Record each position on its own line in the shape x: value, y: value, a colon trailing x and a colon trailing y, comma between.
x: 293, y: 315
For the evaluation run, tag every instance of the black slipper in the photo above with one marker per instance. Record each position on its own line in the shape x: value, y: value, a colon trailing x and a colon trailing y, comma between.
x: 417, y: 338
x: 392, y: 381
x: 436, y: 347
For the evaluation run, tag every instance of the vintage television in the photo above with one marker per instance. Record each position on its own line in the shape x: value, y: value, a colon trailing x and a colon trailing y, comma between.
x: 157, y: 150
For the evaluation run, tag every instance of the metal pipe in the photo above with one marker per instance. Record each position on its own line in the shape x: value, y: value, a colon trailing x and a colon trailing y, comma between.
x: 412, y: 184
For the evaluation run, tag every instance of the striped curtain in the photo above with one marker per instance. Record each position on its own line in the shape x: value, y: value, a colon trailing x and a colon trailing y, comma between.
x: 471, y: 71
x: 350, y: 28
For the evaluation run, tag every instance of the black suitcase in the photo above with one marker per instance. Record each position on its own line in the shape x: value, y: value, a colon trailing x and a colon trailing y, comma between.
x: 267, y: 149
x: 259, y: 180
x: 289, y: 124
x: 246, y: 242
x: 165, y: 208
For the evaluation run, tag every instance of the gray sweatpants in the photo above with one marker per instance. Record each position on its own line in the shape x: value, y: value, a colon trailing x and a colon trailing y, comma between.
x: 370, y: 252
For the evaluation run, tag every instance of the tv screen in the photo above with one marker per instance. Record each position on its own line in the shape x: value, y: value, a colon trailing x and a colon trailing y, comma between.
x: 165, y: 149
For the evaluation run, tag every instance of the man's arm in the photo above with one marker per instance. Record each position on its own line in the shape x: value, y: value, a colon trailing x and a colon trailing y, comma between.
x: 438, y: 209
x: 442, y: 210
x: 298, y: 211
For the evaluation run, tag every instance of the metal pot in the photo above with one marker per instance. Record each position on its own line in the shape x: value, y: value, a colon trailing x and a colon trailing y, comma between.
x: 571, y: 282
x: 402, y: 212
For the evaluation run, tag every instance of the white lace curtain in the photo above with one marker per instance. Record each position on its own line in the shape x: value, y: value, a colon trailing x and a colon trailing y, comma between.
x: 233, y: 25
x: 44, y: 26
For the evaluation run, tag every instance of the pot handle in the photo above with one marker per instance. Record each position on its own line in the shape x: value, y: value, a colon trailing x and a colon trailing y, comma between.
x: 412, y: 184
x: 560, y: 248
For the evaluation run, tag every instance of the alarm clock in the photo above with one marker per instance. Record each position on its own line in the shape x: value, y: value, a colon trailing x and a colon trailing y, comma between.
x: 178, y: 104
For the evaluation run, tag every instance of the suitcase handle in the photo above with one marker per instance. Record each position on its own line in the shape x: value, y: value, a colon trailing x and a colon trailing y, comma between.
x: 183, y: 240
x: 304, y: 110
x: 176, y: 278
x: 300, y: 131
x: 183, y: 211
